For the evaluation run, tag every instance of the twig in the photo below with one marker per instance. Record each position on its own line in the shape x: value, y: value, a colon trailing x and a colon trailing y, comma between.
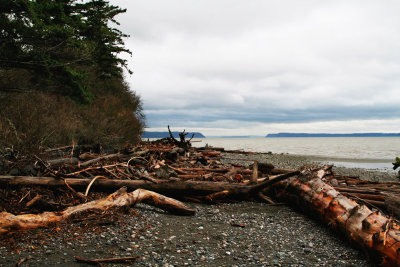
x: 91, y: 262
x: 149, y: 178
x: 263, y: 197
x: 27, y: 193
x: 23, y: 260
x: 99, y: 262
x: 34, y: 200
x: 91, y: 182
x: 95, y: 168
x: 80, y: 195
x: 110, y: 172
x: 259, y: 187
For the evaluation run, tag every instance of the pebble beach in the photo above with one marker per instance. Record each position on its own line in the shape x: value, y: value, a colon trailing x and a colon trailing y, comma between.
x: 229, y: 234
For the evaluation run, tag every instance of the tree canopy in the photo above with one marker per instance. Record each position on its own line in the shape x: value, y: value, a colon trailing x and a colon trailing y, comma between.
x: 61, y: 75
x: 59, y: 42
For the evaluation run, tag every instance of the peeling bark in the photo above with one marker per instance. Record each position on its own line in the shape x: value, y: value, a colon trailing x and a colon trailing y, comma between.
x: 368, y: 228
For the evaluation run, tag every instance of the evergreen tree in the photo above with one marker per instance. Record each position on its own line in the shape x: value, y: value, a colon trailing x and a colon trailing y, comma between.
x: 59, y: 41
x: 52, y: 51
x: 106, y: 42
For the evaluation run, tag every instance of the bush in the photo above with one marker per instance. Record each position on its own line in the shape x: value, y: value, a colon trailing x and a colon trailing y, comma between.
x: 35, y: 120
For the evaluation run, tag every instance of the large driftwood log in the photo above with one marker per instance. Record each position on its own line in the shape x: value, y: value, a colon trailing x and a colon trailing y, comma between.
x: 169, y: 187
x: 10, y: 222
x: 369, y: 229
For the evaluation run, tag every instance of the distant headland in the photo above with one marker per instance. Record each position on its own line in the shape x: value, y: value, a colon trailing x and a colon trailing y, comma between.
x: 332, y: 135
x: 166, y: 134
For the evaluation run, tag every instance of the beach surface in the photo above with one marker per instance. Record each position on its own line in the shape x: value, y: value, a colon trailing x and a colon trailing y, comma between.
x: 229, y: 234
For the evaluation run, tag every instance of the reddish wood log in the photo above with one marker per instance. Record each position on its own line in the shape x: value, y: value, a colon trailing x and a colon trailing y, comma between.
x: 190, y: 176
x: 10, y: 222
x: 367, y: 196
x: 369, y: 229
x: 392, y: 203
x: 211, y: 154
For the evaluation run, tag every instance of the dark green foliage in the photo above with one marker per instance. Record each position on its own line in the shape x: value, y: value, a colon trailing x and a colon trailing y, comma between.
x: 61, y: 76
x: 106, y: 41
x: 396, y: 163
x: 60, y: 41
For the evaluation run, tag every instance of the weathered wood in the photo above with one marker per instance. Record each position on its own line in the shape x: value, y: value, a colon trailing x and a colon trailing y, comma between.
x: 10, y: 222
x: 173, y: 188
x: 190, y: 176
x: 62, y: 161
x: 219, y: 170
x: 34, y: 200
x: 106, y: 157
x: 254, y: 175
x: 211, y: 153
x: 369, y: 229
x: 98, y: 262
x: 392, y: 203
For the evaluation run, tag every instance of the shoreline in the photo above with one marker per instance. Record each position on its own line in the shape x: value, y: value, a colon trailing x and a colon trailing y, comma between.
x: 269, y: 235
x: 292, y: 161
x: 355, y: 150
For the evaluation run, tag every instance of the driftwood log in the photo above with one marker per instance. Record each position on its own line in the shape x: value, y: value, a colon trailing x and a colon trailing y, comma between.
x: 370, y: 229
x: 169, y: 187
x: 10, y: 222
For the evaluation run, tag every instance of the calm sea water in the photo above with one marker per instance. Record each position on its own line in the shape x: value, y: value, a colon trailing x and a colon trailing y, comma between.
x: 368, y: 152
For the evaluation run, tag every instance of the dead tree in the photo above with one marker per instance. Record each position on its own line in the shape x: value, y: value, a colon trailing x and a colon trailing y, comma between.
x: 182, y: 143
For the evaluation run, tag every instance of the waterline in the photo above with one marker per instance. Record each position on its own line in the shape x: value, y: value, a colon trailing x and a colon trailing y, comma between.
x: 359, y: 152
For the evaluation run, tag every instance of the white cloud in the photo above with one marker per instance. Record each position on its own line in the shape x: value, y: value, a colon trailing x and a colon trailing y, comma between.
x: 240, y: 128
x: 211, y: 62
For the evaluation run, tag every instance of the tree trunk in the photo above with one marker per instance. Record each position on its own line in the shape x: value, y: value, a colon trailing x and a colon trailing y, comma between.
x: 369, y: 229
x: 10, y: 222
x: 168, y: 187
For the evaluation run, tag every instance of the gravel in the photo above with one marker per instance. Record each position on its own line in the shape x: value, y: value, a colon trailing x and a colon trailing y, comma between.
x: 230, y: 234
x: 288, y: 161
x: 268, y: 236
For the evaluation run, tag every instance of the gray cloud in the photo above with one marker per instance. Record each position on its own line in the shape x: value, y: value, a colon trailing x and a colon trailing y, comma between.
x: 201, y: 62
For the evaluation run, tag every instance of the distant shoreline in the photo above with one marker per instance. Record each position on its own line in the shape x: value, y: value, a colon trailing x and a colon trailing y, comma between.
x: 148, y: 134
x: 332, y: 135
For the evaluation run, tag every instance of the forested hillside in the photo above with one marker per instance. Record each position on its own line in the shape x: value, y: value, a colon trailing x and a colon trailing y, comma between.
x: 61, y: 75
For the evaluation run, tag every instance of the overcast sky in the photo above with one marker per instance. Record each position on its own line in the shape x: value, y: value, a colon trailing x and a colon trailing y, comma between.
x: 240, y: 67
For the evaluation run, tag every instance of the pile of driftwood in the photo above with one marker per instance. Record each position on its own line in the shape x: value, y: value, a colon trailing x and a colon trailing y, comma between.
x: 173, y: 168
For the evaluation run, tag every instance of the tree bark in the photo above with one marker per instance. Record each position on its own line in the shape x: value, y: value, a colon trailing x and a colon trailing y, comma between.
x: 10, y: 222
x: 369, y: 229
